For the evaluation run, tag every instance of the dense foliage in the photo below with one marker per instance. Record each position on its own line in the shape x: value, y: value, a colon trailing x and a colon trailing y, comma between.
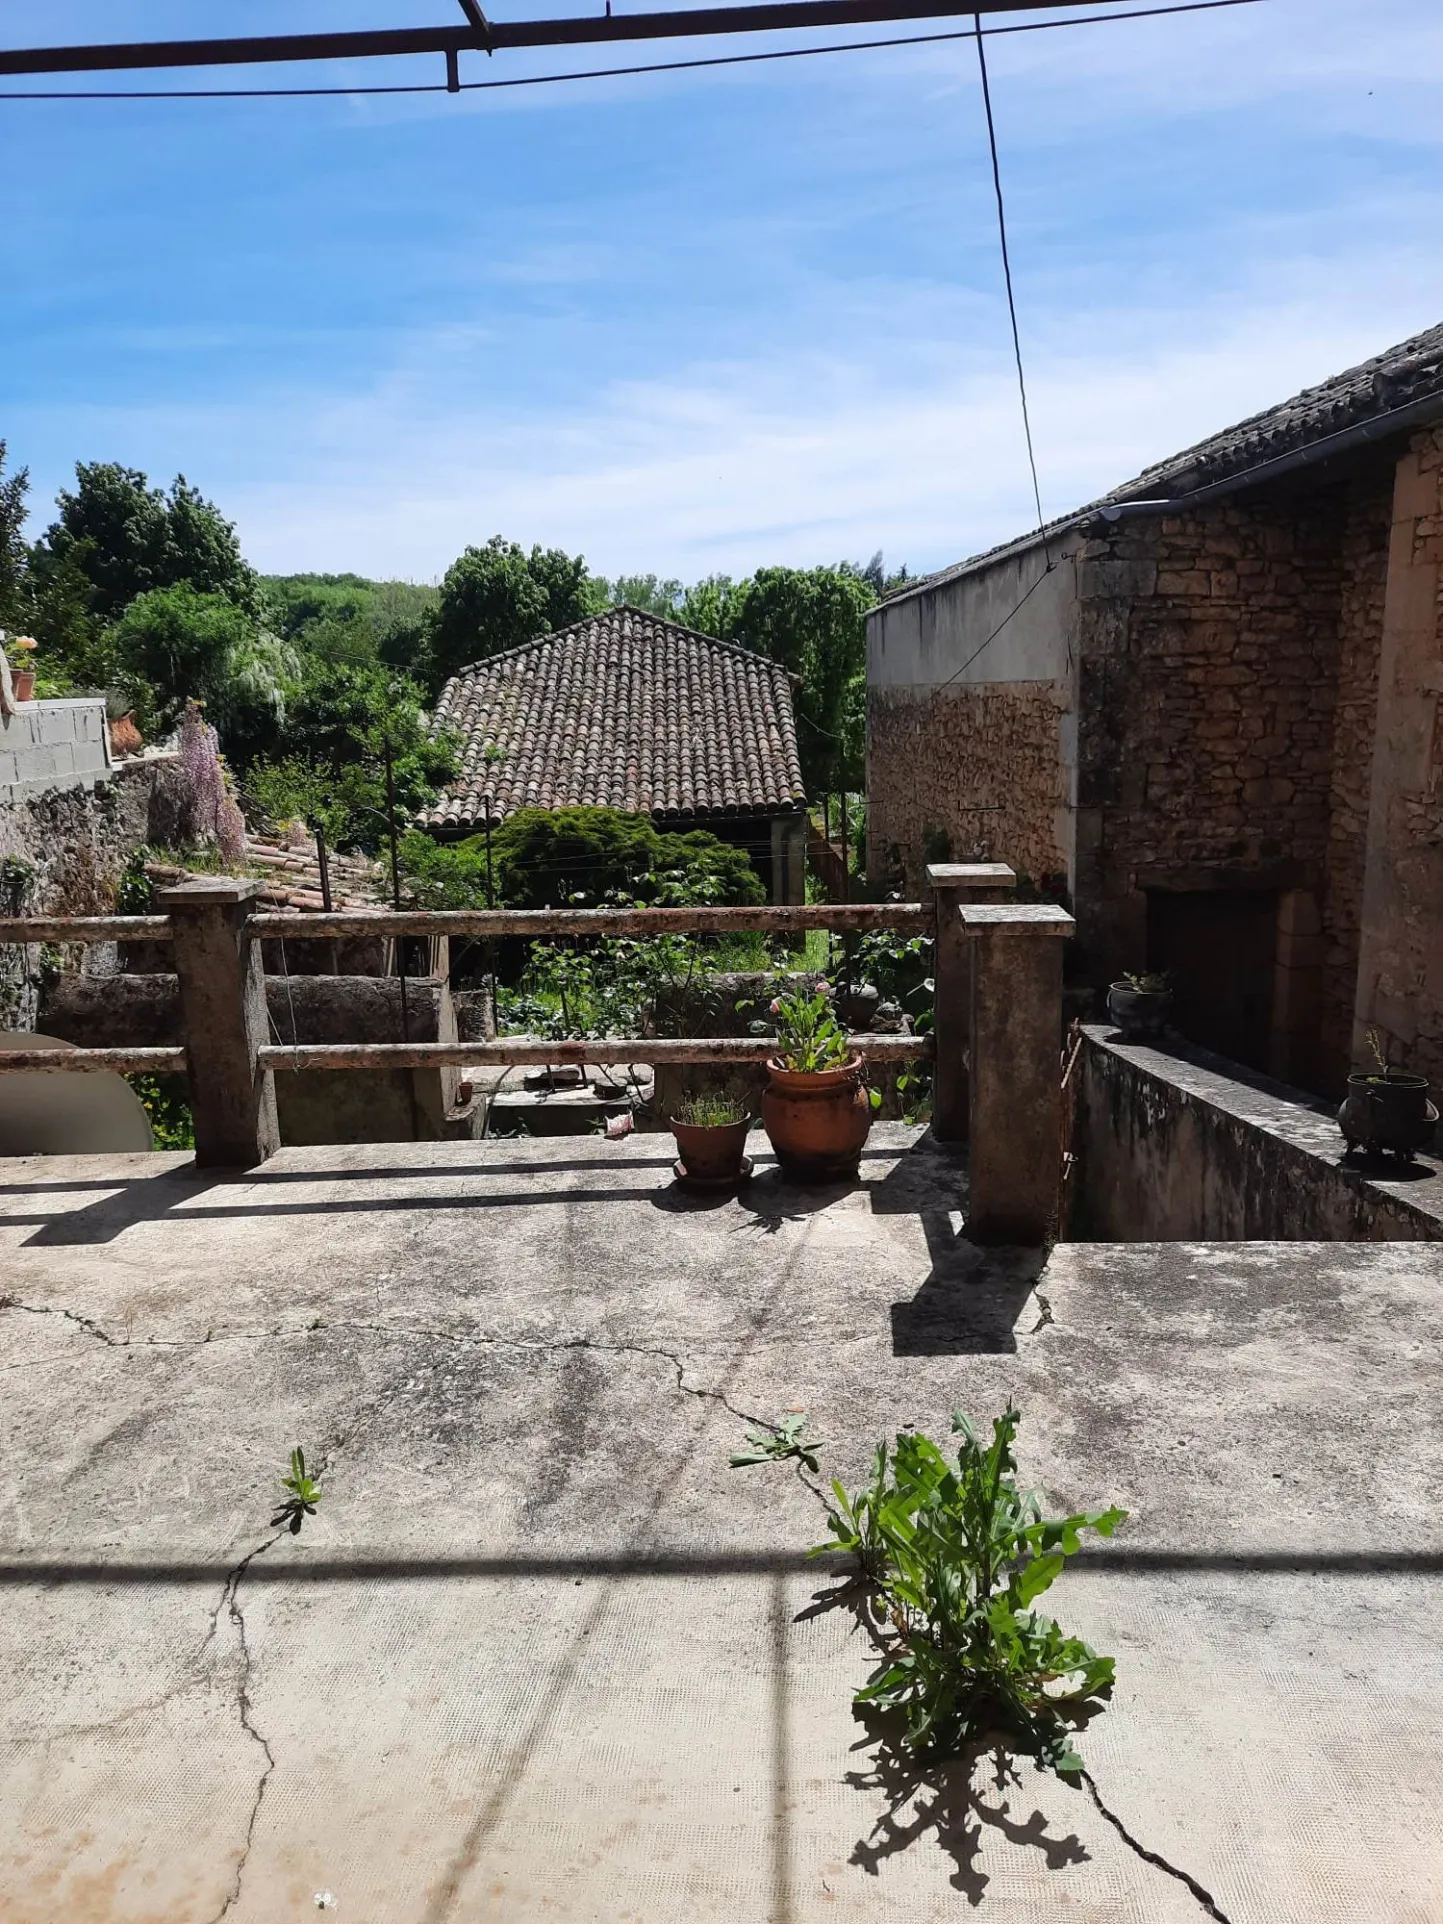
x: 340, y: 718
x: 550, y: 858
x: 142, y: 592
x: 499, y: 596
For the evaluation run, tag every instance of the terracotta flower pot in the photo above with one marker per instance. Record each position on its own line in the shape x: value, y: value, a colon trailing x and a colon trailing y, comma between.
x: 817, y: 1122
x: 23, y: 681
x: 714, y: 1153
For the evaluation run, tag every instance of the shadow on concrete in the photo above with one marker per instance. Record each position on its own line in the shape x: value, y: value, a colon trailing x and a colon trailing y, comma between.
x: 20, y: 1572
x: 973, y: 1300
x: 267, y: 1173
x: 942, y: 1802
x: 104, y: 1220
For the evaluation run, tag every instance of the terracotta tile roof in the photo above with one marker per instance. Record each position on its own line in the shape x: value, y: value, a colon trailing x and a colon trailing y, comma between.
x: 291, y: 876
x: 623, y: 710
x: 1408, y: 376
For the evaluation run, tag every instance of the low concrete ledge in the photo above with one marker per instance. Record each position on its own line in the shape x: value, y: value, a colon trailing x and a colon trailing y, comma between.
x: 1175, y: 1144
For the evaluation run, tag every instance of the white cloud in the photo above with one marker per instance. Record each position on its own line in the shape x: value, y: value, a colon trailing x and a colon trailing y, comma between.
x: 805, y: 456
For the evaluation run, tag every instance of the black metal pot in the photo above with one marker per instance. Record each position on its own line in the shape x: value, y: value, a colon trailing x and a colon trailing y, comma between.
x: 1141, y: 1014
x: 1390, y: 1113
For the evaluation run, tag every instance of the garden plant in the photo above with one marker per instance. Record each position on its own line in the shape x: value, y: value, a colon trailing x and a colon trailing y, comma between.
x: 955, y: 1555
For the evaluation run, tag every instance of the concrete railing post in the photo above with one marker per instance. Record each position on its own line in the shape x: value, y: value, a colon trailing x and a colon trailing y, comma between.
x: 223, y: 1010
x: 952, y: 884
x: 1016, y: 1122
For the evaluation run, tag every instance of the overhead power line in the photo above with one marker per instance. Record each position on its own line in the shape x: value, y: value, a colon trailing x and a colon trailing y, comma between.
x: 611, y: 73
x: 1007, y: 276
x: 492, y: 36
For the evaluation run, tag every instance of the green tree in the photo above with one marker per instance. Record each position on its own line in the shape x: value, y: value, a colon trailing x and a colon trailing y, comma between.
x: 546, y: 857
x: 813, y: 621
x: 125, y: 538
x: 498, y: 597
x: 331, y: 768
x: 350, y: 618
x: 15, y: 601
x: 651, y: 592
x: 173, y: 643
x: 710, y: 605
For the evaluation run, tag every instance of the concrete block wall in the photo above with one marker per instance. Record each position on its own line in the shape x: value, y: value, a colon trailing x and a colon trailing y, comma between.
x: 52, y: 744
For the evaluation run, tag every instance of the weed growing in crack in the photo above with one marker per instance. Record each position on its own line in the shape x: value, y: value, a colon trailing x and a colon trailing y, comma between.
x: 789, y: 1439
x: 303, y: 1498
x: 955, y: 1557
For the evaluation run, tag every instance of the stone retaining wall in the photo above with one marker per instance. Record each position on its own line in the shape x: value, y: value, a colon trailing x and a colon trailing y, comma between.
x: 1176, y: 1145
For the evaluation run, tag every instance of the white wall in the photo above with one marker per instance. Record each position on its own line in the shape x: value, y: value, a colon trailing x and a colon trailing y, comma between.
x: 922, y: 641
x: 52, y: 744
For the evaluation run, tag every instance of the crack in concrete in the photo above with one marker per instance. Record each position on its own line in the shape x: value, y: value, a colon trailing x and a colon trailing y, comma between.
x: 412, y: 1330
x: 1204, y: 1897
x: 229, y: 1602
x: 90, y: 1327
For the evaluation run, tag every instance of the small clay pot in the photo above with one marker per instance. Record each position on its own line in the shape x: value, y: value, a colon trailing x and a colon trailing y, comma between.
x: 712, y: 1154
x: 857, y: 1006
x: 23, y: 682
x: 1391, y: 1113
x: 817, y: 1122
x: 1141, y: 1014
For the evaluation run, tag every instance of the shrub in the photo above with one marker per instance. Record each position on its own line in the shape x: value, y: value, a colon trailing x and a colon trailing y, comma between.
x: 545, y: 858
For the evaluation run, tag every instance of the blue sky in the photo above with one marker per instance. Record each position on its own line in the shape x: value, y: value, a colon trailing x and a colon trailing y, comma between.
x: 709, y: 321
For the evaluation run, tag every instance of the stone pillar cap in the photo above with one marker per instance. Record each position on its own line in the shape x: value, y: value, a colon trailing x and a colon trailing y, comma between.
x: 951, y: 875
x: 202, y: 890
x: 1044, y: 918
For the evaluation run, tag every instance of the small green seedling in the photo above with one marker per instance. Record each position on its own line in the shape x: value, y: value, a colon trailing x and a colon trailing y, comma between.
x: 303, y: 1498
x: 789, y: 1439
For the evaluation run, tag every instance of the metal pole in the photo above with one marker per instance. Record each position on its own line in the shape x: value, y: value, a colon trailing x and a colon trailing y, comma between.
x: 396, y: 883
x: 589, y: 30
x: 325, y: 867
x: 491, y: 903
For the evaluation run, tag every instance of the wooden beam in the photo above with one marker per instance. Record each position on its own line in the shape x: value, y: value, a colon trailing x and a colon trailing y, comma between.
x: 910, y: 917
x: 518, y: 1051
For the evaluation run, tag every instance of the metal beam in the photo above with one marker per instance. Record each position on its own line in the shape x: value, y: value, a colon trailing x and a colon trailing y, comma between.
x: 777, y: 15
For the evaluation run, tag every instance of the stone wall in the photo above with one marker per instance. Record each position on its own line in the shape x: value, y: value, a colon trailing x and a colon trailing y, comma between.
x: 1179, y: 1146
x: 1225, y: 726
x: 63, y: 850
x: 1400, y: 967
x: 981, y: 765
x: 1360, y: 624
x: 50, y: 744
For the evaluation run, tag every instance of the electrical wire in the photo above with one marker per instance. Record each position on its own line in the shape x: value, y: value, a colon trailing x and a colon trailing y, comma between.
x: 1007, y: 278
x: 1015, y: 609
x: 613, y: 73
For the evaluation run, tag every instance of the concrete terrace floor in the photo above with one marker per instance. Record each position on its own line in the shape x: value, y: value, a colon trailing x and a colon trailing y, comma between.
x: 543, y: 1655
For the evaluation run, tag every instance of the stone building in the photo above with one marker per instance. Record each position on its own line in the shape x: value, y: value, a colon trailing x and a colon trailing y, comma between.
x: 626, y: 710
x: 1207, y: 711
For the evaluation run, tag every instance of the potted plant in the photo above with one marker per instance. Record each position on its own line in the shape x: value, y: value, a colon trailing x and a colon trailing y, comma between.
x: 21, y: 650
x: 1140, y: 1006
x: 1387, y: 1108
x: 711, y: 1133
x: 816, y: 1108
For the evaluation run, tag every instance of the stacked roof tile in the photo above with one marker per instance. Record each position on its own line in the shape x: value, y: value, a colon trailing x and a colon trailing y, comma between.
x: 1409, y: 376
x: 623, y: 710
